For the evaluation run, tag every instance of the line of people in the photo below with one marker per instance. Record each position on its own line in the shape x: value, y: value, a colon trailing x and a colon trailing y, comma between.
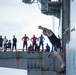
x: 7, y: 44
x: 34, y: 45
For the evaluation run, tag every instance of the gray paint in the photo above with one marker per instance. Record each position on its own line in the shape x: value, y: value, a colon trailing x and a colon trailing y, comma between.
x: 41, y: 62
x: 71, y: 46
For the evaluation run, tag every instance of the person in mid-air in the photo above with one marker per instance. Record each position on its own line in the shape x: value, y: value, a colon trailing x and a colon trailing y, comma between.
x: 55, y: 42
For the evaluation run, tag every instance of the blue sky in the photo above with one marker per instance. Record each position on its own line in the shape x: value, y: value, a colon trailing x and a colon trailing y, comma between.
x: 17, y: 18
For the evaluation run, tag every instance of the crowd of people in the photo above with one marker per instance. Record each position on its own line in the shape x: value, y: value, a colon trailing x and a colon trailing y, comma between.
x: 55, y: 41
x: 7, y: 44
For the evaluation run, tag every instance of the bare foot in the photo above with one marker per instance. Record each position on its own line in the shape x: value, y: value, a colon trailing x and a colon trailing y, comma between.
x: 62, y: 65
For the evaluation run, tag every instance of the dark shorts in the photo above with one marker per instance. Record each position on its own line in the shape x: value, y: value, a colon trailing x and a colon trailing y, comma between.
x: 0, y: 44
x: 56, y: 46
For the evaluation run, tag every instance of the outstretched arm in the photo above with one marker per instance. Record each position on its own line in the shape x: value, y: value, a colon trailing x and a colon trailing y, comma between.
x: 43, y: 28
x: 49, y: 32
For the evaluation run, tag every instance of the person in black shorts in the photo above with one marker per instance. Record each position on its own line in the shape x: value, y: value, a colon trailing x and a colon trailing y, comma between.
x: 55, y: 42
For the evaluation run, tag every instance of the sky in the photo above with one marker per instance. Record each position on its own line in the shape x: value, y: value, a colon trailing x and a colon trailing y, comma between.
x: 18, y: 18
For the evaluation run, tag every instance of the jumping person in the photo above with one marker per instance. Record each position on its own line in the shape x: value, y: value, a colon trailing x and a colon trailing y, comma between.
x: 55, y: 42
